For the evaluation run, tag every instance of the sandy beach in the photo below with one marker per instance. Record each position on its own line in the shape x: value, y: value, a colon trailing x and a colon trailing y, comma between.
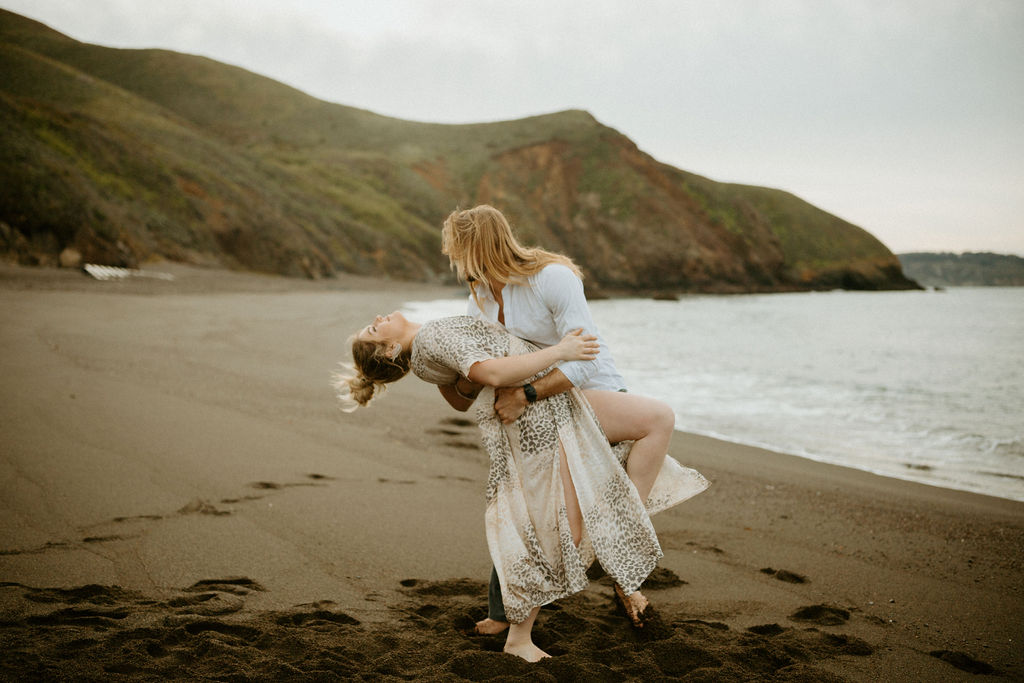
x: 182, y: 499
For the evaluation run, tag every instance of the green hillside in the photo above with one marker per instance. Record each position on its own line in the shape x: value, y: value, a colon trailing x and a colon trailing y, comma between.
x: 125, y: 155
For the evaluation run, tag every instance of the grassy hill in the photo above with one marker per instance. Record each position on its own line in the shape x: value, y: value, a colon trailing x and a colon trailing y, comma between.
x: 124, y: 155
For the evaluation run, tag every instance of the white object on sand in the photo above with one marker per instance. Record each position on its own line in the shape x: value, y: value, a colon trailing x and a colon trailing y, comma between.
x: 115, y: 273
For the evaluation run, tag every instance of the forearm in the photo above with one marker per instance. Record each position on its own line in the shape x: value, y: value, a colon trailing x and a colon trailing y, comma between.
x: 510, y: 370
x: 552, y: 384
x: 510, y: 402
x: 460, y: 395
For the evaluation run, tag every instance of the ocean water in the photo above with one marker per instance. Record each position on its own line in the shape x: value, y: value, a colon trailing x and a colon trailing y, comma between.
x: 925, y: 386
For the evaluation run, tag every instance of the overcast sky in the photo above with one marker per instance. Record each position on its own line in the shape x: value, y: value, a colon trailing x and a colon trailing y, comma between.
x: 904, y: 117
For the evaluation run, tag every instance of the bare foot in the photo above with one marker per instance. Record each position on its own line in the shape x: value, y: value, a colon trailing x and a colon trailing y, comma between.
x: 490, y: 627
x: 527, y: 651
x: 633, y: 605
x: 639, y: 601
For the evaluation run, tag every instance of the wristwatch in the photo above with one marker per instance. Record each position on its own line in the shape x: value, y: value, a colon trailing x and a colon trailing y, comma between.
x: 531, y: 393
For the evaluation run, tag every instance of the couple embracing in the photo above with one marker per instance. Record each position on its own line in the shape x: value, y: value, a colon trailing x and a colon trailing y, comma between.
x: 577, y: 464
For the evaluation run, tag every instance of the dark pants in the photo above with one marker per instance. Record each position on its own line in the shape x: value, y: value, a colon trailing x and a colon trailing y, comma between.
x: 495, y: 605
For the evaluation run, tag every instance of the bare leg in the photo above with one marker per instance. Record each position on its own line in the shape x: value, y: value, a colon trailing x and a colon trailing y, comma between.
x: 490, y: 626
x: 520, y: 639
x: 572, y: 503
x: 647, y: 421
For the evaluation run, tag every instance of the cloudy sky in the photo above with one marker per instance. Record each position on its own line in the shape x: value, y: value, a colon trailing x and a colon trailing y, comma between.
x: 905, y: 117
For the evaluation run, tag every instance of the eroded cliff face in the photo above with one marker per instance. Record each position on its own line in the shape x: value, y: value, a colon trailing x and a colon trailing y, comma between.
x: 639, y: 226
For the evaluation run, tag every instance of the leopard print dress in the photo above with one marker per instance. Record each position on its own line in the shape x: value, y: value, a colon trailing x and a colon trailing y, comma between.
x: 527, y: 526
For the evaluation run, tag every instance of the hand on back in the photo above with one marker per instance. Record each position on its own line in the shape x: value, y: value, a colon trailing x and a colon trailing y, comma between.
x: 577, y: 346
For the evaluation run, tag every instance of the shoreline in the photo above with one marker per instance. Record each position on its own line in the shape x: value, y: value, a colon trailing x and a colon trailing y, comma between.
x: 178, y: 481
x: 823, y: 460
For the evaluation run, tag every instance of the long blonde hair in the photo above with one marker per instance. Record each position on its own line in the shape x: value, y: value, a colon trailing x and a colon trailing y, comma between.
x: 371, y: 371
x: 481, y: 248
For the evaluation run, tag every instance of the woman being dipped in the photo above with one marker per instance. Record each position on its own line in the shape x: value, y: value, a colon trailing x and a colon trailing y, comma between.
x: 549, y: 470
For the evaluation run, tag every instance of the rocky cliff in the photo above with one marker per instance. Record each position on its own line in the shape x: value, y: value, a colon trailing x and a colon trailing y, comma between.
x: 123, y: 155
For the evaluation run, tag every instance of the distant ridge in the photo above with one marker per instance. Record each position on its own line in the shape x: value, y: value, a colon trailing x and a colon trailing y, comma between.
x: 970, y: 269
x: 117, y: 156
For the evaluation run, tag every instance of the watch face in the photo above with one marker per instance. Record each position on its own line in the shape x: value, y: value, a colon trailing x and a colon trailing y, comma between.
x: 531, y: 393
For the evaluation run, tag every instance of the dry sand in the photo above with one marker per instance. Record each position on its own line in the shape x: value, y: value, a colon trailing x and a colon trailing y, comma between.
x: 182, y: 499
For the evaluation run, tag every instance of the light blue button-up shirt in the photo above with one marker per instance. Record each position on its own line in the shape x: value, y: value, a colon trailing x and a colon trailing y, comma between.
x: 544, y: 311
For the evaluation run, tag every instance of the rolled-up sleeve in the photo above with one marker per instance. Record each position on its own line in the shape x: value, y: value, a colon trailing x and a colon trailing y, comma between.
x: 562, y: 293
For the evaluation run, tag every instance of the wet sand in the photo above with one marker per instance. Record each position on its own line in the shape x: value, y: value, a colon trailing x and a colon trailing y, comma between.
x: 182, y: 499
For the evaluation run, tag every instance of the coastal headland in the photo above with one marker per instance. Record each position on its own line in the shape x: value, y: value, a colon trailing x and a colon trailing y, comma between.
x: 116, y: 157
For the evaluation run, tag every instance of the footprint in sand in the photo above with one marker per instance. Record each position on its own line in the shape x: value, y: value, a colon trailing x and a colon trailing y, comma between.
x: 813, y: 642
x: 458, y: 427
x: 316, y: 617
x: 81, y: 616
x: 265, y: 485
x: 445, y: 477
x: 139, y: 518
x: 821, y: 614
x: 662, y: 578
x: 239, y: 585
x: 449, y: 587
x: 766, y: 629
x: 196, y: 506
x: 463, y: 444
x: 64, y: 545
x: 428, y: 611
x: 245, y: 633
x: 785, y: 575
x: 445, y: 432
x: 963, y: 661
x: 274, y: 486
x: 706, y: 548
x: 847, y: 645
x: 49, y: 545
x: 102, y: 539
x: 213, y: 597
x: 93, y: 594
x: 202, y: 507
x: 207, y: 604
x: 243, y: 499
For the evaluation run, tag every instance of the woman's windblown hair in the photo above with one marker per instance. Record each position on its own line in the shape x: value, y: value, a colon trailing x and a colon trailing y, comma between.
x: 372, y: 369
x: 481, y: 247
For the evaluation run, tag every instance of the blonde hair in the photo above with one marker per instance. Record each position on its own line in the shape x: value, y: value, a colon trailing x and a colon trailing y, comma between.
x: 481, y: 248
x: 372, y: 369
